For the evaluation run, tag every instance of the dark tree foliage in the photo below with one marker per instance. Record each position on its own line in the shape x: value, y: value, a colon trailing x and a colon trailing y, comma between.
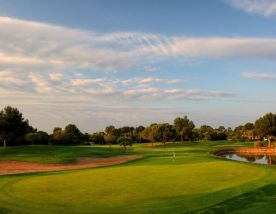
x: 184, y: 128
x: 205, y: 132
x: 13, y: 126
x: 111, y: 130
x: 72, y: 130
x: 137, y: 134
x: 44, y: 137
x: 166, y: 132
x: 266, y: 126
x: 39, y: 138
x: 248, y: 126
x: 124, y: 141
x: 125, y: 131
x: 33, y: 138
x: 15, y: 130
x: 70, y: 135
x: 163, y: 132
x: 97, y: 138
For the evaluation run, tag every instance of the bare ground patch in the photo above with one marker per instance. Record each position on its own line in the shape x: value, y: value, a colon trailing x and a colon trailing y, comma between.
x: 16, y: 167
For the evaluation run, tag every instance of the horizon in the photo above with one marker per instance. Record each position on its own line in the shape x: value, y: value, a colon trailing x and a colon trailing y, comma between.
x: 144, y: 125
x: 130, y: 63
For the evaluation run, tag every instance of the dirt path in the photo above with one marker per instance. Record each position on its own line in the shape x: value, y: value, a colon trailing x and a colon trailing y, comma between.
x: 16, y: 167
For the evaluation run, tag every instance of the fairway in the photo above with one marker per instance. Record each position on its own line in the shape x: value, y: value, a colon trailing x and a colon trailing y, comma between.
x: 192, y: 182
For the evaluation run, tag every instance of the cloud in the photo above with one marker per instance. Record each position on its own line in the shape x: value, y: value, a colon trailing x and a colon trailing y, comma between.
x: 258, y: 75
x: 37, y: 46
x: 216, y: 47
x: 34, y: 85
x: 31, y: 44
x: 176, y: 94
x: 40, y: 84
x: 150, y: 80
x: 46, y: 67
x: 8, y: 77
x: 55, y: 76
x: 265, y: 8
x: 85, y: 82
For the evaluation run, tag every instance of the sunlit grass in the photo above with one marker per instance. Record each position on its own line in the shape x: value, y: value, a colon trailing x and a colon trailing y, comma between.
x: 193, y: 181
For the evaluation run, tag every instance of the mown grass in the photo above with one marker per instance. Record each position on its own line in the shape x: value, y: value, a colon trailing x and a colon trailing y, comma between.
x: 57, y: 154
x: 193, y: 182
x: 261, y: 200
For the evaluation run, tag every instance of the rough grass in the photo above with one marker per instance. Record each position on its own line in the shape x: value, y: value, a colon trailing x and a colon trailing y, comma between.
x: 194, y: 182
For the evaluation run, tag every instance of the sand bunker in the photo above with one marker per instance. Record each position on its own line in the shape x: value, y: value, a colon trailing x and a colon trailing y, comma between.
x: 16, y: 167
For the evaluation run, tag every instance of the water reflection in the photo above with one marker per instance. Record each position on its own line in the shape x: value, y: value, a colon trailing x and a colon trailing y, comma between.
x: 260, y: 159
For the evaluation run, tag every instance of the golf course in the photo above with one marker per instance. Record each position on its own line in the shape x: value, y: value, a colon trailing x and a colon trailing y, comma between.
x: 171, y: 178
x: 137, y: 107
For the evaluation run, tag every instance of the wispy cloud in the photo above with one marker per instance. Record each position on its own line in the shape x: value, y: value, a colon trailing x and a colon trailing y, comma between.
x: 259, y: 75
x: 55, y: 76
x: 30, y: 46
x: 265, y: 8
x: 47, y: 65
x: 86, y: 82
x: 176, y: 94
x: 11, y: 79
x: 150, y: 80
x: 55, y: 85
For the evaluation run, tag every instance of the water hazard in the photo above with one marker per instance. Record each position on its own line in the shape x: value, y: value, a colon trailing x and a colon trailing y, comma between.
x: 250, y: 158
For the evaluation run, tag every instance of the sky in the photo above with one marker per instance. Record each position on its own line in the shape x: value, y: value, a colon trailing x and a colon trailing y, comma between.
x: 128, y: 62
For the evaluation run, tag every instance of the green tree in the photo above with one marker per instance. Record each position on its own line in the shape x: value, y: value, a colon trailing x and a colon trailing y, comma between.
x: 248, y: 126
x: 139, y: 129
x: 205, y: 132
x: 98, y: 138
x: 109, y: 139
x: 266, y: 126
x: 33, y: 138
x: 72, y: 130
x: 111, y: 135
x: 111, y: 130
x: 13, y: 126
x: 58, y: 136
x: 238, y: 133
x: 145, y: 134
x: 72, y: 134
x: 124, y: 141
x: 184, y: 128
x: 163, y: 132
x: 196, y: 134
x: 137, y: 134
x: 151, y: 133
x: 249, y: 131
x: 57, y: 129
x: 44, y: 137
x: 126, y: 131
x: 221, y: 133
x: 166, y: 132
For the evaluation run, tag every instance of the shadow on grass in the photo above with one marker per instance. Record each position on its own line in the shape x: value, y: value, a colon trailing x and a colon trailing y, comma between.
x: 4, y: 211
x: 259, y: 201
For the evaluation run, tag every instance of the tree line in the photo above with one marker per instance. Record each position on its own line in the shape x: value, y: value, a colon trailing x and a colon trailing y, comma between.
x: 15, y: 130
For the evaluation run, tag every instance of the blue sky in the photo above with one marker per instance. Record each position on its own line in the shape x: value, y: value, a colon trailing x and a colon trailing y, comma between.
x: 126, y: 62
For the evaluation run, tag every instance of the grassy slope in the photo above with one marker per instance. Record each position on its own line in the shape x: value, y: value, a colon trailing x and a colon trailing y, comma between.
x: 194, y: 182
x: 55, y: 154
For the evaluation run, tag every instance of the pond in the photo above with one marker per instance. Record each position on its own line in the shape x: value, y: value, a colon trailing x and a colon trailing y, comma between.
x: 250, y: 158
